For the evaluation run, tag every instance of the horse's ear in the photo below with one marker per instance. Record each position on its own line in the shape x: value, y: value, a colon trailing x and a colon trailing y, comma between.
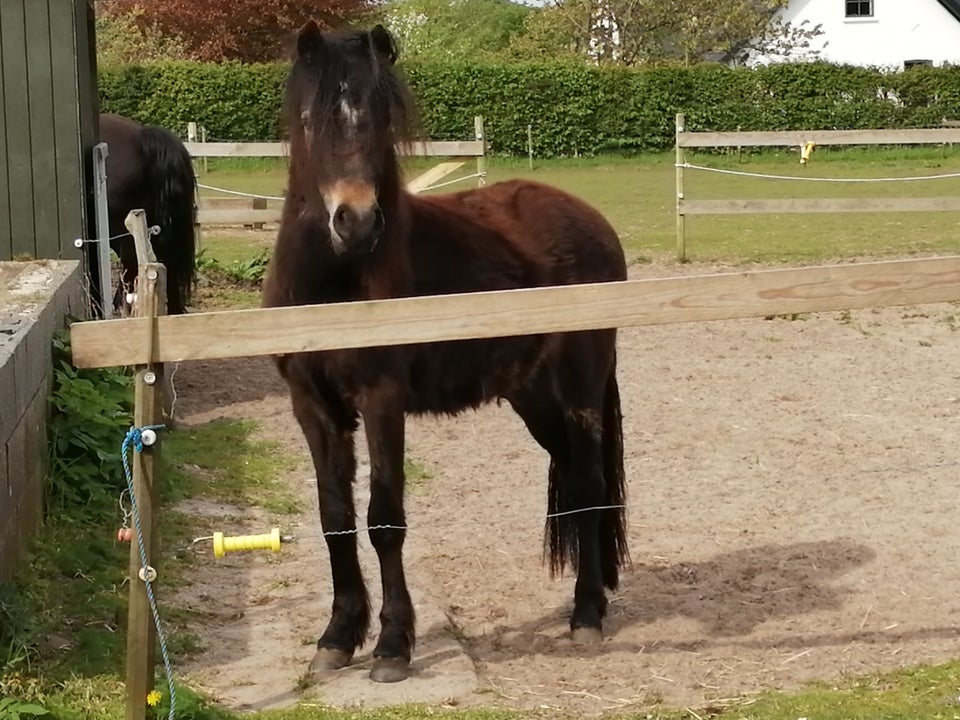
x: 309, y: 41
x: 384, y: 43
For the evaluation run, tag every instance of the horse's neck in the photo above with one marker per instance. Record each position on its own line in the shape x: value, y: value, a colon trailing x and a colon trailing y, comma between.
x: 307, y: 271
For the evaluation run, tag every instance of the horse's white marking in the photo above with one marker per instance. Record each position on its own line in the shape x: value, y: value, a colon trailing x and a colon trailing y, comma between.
x: 357, y: 196
x: 349, y: 113
x: 336, y: 242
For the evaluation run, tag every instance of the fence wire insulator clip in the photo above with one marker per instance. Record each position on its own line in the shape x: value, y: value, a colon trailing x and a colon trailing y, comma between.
x: 147, y: 574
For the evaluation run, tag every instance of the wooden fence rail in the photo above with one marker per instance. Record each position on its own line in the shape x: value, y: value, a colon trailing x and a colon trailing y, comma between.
x: 270, y: 331
x: 801, y: 138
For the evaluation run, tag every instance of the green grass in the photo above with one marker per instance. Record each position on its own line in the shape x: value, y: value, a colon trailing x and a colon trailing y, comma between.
x: 637, y: 196
x: 225, y: 462
x: 61, y: 626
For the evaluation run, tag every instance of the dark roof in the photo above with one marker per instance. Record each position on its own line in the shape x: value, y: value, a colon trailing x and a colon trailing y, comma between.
x: 952, y: 6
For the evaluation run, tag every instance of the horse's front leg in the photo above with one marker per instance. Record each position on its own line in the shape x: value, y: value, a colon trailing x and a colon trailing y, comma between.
x: 332, y: 450
x: 383, y: 419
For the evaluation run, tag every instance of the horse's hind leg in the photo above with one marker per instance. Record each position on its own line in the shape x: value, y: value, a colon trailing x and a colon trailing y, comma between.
x: 584, y: 490
x: 331, y: 447
x: 564, y: 412
x: 575, y: 481
x: 383, y: 420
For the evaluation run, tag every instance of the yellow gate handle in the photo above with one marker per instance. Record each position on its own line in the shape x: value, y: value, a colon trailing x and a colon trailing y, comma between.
x: 268, y: 541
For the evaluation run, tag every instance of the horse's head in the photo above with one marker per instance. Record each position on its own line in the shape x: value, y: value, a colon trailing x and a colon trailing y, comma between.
x: 345, y: 110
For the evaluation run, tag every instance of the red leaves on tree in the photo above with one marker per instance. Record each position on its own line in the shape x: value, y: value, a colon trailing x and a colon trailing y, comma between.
x: 247, y: 30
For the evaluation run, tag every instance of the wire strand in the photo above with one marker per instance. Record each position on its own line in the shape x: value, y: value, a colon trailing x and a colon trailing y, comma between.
x: 238, y: 192
x: 765, y: 176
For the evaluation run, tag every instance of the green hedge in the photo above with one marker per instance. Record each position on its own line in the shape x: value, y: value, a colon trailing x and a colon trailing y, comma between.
x: 572, y: 108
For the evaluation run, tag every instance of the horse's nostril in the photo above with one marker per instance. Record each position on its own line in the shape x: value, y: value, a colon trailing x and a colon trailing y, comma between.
x: 377, y: 220
x: 341, y: 220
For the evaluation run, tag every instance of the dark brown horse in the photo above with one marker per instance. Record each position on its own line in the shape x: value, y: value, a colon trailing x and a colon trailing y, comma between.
x: 148, y: 167
x: 349, y: 232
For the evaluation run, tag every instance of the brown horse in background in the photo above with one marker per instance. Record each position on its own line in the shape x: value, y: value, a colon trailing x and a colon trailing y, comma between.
x: 148, y: 167
x: 350, y: 231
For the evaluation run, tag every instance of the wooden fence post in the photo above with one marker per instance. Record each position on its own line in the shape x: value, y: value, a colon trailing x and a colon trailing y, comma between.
x: 481, y: 159
x: 259, y: 203
x: 530, y: 144
x: 681, y: 159
x: 141, y: 632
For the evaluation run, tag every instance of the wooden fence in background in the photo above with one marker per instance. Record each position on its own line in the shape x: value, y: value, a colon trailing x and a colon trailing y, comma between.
x: 259, y: 210
x: 800, y: 138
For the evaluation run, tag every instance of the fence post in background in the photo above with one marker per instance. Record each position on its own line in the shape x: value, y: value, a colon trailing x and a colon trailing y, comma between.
x: 259, y: 203
x: 530, y: 143
x: 203, y: 139
x: 192, y: 137
x: 102, y: 218
x: 481, y: 159
x: 141, y: 633
x: 681, y: 159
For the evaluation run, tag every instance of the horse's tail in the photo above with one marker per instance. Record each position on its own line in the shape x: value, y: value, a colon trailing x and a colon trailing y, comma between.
x: 173, y: 186
x: 613, y: 522
x: 561, y: 536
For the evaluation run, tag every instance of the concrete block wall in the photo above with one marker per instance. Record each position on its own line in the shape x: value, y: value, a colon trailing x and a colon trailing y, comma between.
x: 35, y: 299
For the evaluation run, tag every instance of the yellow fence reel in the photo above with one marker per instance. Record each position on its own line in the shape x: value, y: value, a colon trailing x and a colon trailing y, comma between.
x: 222, y: 544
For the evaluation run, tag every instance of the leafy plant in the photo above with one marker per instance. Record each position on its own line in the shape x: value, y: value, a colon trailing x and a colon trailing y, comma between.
x: 90, y: 413
x: 13, y: 709
x: 248, y: 271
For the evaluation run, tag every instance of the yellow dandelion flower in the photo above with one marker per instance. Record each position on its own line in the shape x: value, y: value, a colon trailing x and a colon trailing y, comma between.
x: 153, y: 698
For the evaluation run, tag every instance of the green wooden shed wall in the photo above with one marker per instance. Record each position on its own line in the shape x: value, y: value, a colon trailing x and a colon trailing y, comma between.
x: 48, y: 126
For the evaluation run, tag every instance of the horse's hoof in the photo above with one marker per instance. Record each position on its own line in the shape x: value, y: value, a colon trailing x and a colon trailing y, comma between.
x: 389, y: 670
x: 587, y: 635
x: 330, y: 659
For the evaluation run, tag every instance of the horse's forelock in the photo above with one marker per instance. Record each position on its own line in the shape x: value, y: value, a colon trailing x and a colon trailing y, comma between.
x: 354, y: 58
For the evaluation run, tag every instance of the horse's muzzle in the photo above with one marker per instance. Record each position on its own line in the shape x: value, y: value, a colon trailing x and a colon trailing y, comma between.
x: 358, y: 228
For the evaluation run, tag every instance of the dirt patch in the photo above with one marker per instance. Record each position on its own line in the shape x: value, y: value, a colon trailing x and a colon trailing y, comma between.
x: 792, y: 508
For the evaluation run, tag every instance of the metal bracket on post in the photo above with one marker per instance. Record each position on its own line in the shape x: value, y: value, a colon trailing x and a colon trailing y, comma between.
x: 100, y: 153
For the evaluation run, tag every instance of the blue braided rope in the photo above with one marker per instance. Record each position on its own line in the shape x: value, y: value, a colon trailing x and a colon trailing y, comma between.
x: 135, y: 437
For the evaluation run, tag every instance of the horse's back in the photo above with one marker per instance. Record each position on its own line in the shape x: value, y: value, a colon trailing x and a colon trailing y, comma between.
x: 530, y: 233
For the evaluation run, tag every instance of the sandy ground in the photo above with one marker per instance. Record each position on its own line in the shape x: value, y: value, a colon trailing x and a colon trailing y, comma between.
x: 792, y: 508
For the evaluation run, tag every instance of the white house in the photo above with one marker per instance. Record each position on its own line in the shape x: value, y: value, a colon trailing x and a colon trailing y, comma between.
x: 880, y: 33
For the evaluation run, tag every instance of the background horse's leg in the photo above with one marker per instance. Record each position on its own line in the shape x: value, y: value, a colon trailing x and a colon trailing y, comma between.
x: 330, y: 440
x: 124, y: 248
x: 384, y: 424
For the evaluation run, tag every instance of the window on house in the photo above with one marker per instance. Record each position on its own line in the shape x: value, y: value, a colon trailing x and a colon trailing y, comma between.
x: 859, y: 8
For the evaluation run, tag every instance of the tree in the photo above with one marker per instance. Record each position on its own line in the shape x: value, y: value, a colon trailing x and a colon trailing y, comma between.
x: 246, y: 30
x: 453, y: 28
x: 631, y: 32
x: 129, y: 39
